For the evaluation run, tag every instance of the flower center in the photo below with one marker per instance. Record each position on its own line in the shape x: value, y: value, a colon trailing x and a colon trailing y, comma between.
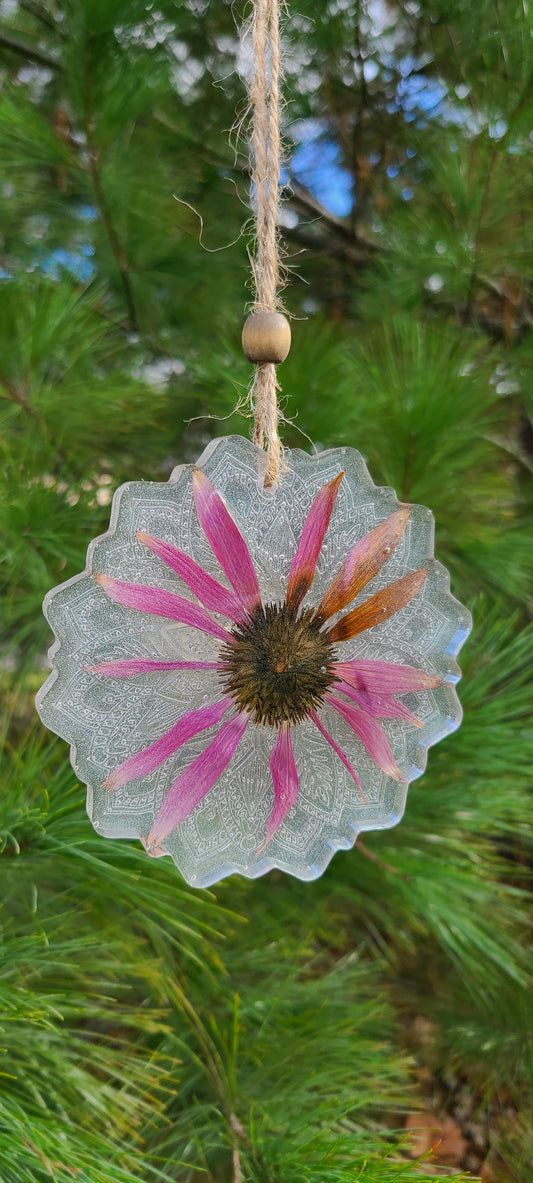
x: 279, y: 665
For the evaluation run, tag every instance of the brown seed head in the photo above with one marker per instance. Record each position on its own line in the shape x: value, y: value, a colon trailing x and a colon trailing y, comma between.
x: 279, y: 665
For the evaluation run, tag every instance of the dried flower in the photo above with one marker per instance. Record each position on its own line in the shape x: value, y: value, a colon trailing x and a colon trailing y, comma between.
x: 275, y: 657
x: 277, y: 663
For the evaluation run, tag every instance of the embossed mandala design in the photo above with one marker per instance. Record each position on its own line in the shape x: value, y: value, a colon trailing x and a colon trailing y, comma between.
x: 248, y: 677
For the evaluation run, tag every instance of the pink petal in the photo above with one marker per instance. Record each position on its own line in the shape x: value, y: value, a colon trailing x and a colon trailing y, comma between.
x: 305, y: 560
x: 149, y: 758
x: 370, y: 733
x: 209, y: 591
x: 126, y: 669
x: 161, y: 603
x: 318, y: 723
x: 285, y: 780
x: 381, y: 706
x: 378, y: 607
x: 226, y: 541
x: 363, y: 563
x: 196, y: 780
x: 384, y: 677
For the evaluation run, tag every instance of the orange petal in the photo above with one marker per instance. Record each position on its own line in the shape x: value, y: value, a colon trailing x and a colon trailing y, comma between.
x: 363, y: 562
x: 379, y: 607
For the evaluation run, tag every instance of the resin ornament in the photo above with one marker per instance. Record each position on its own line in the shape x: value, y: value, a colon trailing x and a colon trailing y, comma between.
x: 251, y: 676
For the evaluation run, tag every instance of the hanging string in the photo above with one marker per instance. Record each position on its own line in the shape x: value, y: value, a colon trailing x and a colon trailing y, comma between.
x: 265, y: 98
x: 266, y: 149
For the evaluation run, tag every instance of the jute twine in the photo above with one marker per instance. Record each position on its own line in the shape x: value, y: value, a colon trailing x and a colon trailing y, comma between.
x: 265, y: 100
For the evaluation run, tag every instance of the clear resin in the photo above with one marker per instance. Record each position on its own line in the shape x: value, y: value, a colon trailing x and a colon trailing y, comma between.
x: 107, y: 719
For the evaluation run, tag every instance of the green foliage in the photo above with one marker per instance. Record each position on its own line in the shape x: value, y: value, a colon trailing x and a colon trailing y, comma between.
x: 264, y: 1032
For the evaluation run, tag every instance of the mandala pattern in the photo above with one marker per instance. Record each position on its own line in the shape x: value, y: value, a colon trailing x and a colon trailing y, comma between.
x: 248, y: 677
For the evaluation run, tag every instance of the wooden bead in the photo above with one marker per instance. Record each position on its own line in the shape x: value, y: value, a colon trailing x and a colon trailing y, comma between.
x: 266, y: 337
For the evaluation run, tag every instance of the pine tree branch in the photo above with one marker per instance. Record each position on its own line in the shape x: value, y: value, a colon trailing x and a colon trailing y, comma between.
x: 117, y: 248
x: 479, y: 227
x: 374, y: 858
x: 238, y: 1133
x: 236, y: 1162
x: 29, y: 52
x: 116, y: 245
x: 477, y: 314
x: 40, y: 14
x: 16, y: 395
x: 302, y: 198
x: 358, y: 116
x: 320, y: 244
x: 524, y: 316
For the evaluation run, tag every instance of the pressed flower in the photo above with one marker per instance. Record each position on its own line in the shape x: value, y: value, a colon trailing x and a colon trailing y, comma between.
x: 277, y: 659
x: 278, y: 663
